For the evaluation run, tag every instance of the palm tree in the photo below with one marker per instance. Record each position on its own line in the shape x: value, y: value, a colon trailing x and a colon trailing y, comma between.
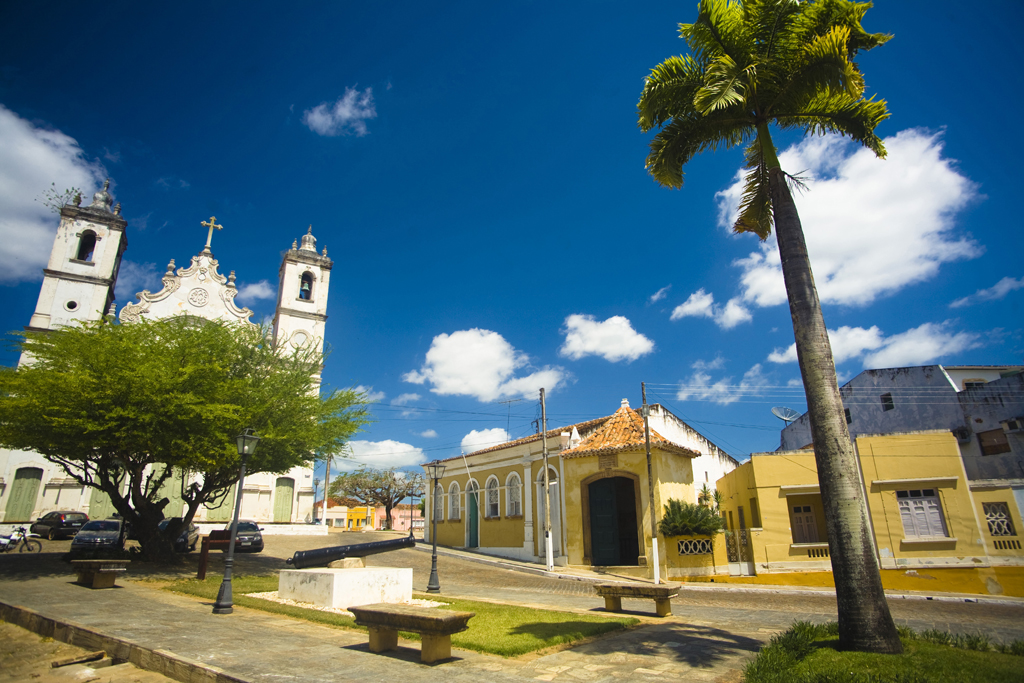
x: 753, y: 63
x: 704, y: 497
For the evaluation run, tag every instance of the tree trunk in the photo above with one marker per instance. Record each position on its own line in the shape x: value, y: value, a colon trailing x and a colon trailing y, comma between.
x: 864, y: 620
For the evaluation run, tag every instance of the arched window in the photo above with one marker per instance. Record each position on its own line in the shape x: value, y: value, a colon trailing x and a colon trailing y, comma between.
x: 439, y: 503
x: 86, y: 246
x: 492, y: 497
x: 514, y: 491
x: 453, y: 501
x: 306, y: 286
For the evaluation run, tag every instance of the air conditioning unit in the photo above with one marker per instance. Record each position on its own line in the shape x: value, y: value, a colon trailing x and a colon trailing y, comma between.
x: 962, y: 434
x: 1014, y: 425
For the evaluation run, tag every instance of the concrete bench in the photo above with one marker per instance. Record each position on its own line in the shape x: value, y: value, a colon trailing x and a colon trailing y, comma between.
x: 99, y: 573
x: 662, y: 595
x: 435, y: 626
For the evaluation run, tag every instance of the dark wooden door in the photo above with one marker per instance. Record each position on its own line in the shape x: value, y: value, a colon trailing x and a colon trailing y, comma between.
x: 604, y: 524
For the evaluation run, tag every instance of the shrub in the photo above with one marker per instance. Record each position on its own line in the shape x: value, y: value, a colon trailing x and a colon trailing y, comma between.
x: 687, y: 519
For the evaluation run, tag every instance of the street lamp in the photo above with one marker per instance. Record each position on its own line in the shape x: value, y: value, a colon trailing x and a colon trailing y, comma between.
x: 247, y: 442
x: 436, y: 470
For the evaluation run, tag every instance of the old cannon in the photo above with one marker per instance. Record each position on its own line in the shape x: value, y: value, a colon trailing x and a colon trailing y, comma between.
x: 321, y: 557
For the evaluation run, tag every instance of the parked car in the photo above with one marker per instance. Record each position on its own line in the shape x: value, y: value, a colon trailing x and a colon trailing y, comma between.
x: 248, y: 539
x: 99, y: 534
x: 187, y: 539
x: 59, y: 524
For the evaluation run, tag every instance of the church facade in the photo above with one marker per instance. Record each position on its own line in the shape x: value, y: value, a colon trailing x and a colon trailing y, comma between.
x: 78, y: 286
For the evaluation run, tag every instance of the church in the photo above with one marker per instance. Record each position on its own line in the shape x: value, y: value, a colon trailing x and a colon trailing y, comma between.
x: 78, y: 286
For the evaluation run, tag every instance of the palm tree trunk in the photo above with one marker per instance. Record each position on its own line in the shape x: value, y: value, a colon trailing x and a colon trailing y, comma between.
x: 864, y: 620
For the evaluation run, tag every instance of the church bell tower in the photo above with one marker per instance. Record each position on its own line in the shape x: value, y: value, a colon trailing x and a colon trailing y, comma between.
x: 78, y: 281
x: 301, y: 314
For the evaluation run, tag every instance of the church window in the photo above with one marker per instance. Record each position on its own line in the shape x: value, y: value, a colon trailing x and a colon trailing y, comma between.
x: 71, y: 305
x: 86, y: 246
x: 306, y: 286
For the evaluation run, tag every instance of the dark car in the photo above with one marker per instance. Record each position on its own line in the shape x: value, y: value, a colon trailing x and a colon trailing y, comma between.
x: 99, y: 534
x: 59, y: 524
x: 248, y: 539
x: 187, y: 539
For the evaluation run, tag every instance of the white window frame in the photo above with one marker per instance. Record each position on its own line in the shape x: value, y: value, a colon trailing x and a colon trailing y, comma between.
x: 513, y: 495
x: 454, y: 499
x: 921, y: 514
x: 439, y: 503
x: 493, y: 492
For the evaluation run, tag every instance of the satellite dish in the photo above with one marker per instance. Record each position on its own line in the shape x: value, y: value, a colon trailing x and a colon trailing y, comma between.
x: 787, y: 415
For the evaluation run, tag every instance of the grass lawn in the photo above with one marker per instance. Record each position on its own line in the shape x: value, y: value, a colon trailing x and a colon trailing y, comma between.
x: 505, y: 630
x: 807, y: 654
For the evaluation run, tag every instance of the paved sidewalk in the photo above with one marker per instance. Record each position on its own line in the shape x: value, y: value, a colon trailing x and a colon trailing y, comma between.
x: 255, y: 646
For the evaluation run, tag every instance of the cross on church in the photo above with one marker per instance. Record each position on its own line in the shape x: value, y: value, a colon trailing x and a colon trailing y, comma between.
x: 211, y: 225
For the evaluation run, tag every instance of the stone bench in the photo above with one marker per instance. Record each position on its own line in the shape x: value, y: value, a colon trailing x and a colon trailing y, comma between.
x: 661, y: 593
x: 435, y: 627
x: 99, y: 573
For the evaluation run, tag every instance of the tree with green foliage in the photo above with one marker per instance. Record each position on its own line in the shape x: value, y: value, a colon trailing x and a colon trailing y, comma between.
x: 754, y: 63
x: 127, y: 409
x: 386, y: 488
x: 687, y: 519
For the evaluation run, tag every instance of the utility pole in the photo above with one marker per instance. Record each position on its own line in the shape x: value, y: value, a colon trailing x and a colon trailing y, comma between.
x: 547, y: 483
x: 646, y: 411
x: 327, y: 486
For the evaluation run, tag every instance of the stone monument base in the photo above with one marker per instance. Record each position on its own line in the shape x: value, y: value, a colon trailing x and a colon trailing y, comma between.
x: 343, y: 588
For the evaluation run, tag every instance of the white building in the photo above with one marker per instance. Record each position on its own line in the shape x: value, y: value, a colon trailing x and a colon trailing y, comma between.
x: 78, y: 285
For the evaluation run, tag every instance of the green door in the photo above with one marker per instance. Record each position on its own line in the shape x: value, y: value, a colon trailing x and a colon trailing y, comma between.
x: 171, y: 490
x: 226, y: 511
x: 473, y: 513
x: 604, y: 524
x: 100, y: 505
x: 22, y: 500
x: 283, y: 492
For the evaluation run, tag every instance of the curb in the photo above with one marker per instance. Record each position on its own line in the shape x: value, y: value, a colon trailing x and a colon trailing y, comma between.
x: 702, y: 586
x: 160, y: 661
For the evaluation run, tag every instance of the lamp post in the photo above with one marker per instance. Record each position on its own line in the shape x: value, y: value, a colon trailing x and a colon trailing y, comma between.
x: 316, y: 487
x: 436, y: 470
x: 247, y: 442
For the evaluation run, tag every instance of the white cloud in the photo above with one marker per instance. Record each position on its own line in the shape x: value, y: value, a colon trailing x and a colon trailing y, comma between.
x: 614, y: 339
x: 993, y: 293
x: 347, y: 116
x: 371, y: 395
x: 872, y: 226
x: 847, y: 343
x: 381, y: 455
x: 485, y: 438
x: 698, y: 305
x: 33, y: 160
x: 404, y: 399
x: 256, y: 290
x: 913, y: 347
x: 133, y: 277
x: 701, y: 304
x: 482, y: 364
x: 716, y: 364
x: 700, y: 388
x: 428, y: 434
x: 660, y: 294
x: 920, y: 345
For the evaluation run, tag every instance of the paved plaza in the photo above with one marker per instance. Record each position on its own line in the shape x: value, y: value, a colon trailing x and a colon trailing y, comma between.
x: 713, y: 631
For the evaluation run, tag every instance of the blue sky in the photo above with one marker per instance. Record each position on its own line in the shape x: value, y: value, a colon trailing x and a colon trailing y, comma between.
x: 476, y: 173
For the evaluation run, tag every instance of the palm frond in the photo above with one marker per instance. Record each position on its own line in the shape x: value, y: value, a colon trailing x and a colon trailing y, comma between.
x: 755, y: 210
x: 823, y: 66
x: 719, y: 29
x: 684, y: 137
x: 855, y: 118
x: 770, y: 20
x: 669, y: 91
x: 724, y: 86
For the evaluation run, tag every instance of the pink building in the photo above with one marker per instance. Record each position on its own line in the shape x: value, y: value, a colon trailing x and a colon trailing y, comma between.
x: 400, y: 518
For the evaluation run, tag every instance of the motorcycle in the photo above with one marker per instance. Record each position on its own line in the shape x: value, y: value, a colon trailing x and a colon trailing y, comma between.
x: 19, y: 539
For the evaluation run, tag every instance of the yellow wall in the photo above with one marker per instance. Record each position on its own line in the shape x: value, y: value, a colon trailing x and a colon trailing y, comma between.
x: 1012, y: 545
x: 921, y: 460
x: 502, y: 531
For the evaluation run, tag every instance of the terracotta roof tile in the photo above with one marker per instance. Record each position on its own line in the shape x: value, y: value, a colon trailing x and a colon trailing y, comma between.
x: 621, y: 432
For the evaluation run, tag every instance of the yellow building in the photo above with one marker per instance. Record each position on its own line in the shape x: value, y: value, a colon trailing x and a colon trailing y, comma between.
x: 493, y: 500
x: 924, y: 512
x: 349, y: 515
